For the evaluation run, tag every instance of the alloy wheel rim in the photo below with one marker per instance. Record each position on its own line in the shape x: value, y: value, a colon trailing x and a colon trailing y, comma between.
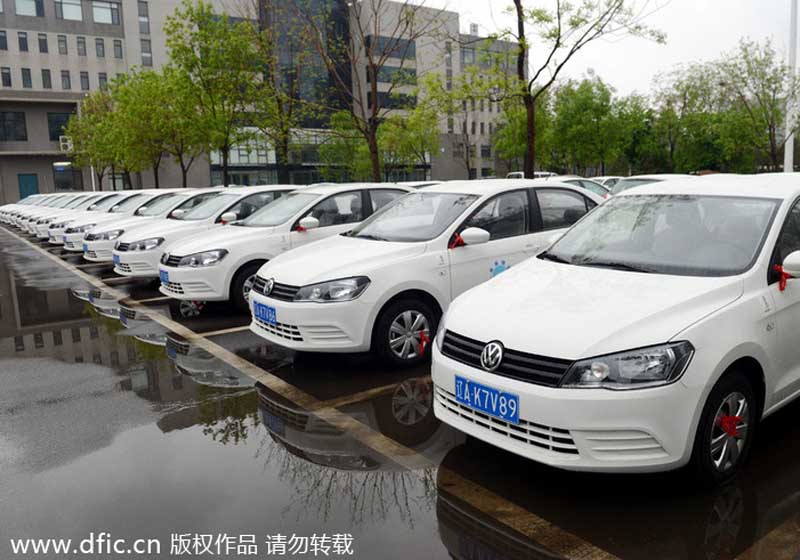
x: 248, y: 285
x: 729, y: 432
x: 406, y: 332
x: 411, y: 402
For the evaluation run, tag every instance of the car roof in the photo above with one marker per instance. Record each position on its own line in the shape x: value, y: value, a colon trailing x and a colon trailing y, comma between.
x: 764, y: 185
x: 341, y: 187
x: 256, y: 189
x: 494, y: 186
x: 661, y: 176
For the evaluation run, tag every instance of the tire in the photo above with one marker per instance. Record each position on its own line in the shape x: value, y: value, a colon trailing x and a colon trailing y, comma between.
x: 382, y: 334
x: 240, y: 280
x: 735, y: 436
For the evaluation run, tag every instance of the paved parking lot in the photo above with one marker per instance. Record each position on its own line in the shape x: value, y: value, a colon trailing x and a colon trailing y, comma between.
x: 121, y: 411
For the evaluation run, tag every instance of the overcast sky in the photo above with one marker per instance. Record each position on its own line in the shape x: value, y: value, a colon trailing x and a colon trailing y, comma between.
x: 696, y: 30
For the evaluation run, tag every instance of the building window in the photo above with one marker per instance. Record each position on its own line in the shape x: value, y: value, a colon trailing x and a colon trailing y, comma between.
x: 3, y: 41
x: 38, y: 340
x: 102, y: 80
x: 472, y: 128
x: 76, y: 335
x: 84, y: 81
x: 23, y: 41
x: 100, y: 47
x: 450, y: 125
x: 66, y: 81
x: 69, y: 9
x: 483, y: 128
x: 62, y: 44
x: 5, y: 76
x: 56, y: 122
x: 117, y: 48
x: 47, y: 82
x: 81, y: 46
x: 27, y: 83
x: 486, y: 150
x: 19, y: 344
x: 30, y: 8
x: 57, y: 339
x: 144, y: 18
x: 147, y: 53
x: 467, y: 57
x: 12, y: 127
x: 105, y: 12
x: 43, y: 42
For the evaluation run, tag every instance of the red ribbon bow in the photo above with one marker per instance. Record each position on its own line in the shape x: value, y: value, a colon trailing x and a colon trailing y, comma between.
x: 728, y: 425
x: 784, y: 276
x: 457, y: 241
x: 423, y: 340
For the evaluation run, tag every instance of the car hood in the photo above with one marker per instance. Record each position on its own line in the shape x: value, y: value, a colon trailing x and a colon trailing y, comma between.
x: 130, y: 222
x: 223, y: 237
x: 573, y: 312
x: 161, y: 228
x: 336, y: 257
x: 93, y: 218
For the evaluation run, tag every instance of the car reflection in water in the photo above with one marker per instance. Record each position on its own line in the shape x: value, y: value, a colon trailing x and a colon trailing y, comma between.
x: 630, y: 516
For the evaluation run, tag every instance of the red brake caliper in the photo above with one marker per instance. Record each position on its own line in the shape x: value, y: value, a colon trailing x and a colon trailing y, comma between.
x: 728, y: 425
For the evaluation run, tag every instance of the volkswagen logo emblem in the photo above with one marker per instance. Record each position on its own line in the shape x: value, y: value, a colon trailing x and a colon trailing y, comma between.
x: 268, y: 286
x: 492, y: 355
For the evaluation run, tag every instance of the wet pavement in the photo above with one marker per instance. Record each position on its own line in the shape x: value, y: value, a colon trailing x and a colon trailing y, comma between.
x: 125, y: 413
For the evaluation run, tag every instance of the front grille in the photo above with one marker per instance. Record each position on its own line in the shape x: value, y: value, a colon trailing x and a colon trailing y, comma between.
x: 128, y: 312
x: 172, y: 260
x: 91, y: 254
x: 289, y: 332
x: 178, y: 346
x: 557, y: 440
x: 91, y: 237
x: 174, y: 287
x: 294, y: 418
x: 530, y: 368
x: 123, y: 246
x: 124, y: 267
x: 283, y: 292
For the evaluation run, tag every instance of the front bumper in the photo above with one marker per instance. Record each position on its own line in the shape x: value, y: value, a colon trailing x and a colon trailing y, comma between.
x: 137, y: 264
x: 55, y: 236
x: 644, y: 430
x: 316, y: 327
x: 74, y: 242
x: 195, y: 284
x: 41, y: 230
x: 98, y: 251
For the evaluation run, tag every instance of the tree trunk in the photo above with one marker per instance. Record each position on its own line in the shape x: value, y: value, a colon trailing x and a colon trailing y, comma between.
x: 156, y: 181
x: 282, y: 156
x: 374, y: 153
x: 529, y: 163
x: 184, y: 175
x: 225, y: 154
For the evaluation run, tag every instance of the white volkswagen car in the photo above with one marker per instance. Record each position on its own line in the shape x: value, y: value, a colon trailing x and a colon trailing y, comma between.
x: 655, y: 333
x: 306, y: 215
x: 27, y: 220
x: 100, y: 204
x: 383, y: 285
x: 72, y: 210
x: 137, y: 253
x: 8, y: 210
x: 98, y: 242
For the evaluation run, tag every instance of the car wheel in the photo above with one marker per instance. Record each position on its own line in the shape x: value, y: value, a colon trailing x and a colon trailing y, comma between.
x: 403, y: 332
x: 726, y: 430
x: 242, y: 284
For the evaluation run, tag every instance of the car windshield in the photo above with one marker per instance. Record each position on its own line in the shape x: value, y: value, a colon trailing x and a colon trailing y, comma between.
x: 160, y: 204
x: 210, y: 207
x: 75, y: 202
x: 418, y: 216
x: 62, y: 203
x: 130, y: 203
x: 88, y: 201
x: 279, y: 211
x: 107, y: 203
x: 625, y: 184
x: 697, y: 235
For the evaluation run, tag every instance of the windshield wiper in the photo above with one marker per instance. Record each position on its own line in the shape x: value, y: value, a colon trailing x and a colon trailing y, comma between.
x: 373, y: 237
x: 614, y: 264
x: 548, y: 256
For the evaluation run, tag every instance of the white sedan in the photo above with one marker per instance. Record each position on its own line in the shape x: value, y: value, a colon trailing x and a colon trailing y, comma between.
x: 692, y: 340
x: 138, y: 253
x: 384, y: 285
x: 306, y: 215
x: 99, y: 205
x: 98, y: 243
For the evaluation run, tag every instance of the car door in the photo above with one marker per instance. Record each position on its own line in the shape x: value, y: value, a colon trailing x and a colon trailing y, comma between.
x: 508, y: 219
x: 786, y: 309
x: 556, y: 210
x: 336, y: 214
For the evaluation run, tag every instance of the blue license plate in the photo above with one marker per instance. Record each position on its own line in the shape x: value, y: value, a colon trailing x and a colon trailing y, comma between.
x: 274, y: 424
x: 164, y: 276
x: 488, y: 400
x: 63, y: 238
x: 265, y: 313
x: 172, y: 353
x: 115, y: 259
x: 85, y: 248
x: 123, y: 319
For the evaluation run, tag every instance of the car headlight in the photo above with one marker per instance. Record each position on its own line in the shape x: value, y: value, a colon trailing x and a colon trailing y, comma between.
x: 206, y: 258
x: 146, y: 244
x: 80, y: 229
x: 41, y: 221
x: 60, y: 225
x: 110, y: 235
x: 345, y: 289
x: 633, y: 369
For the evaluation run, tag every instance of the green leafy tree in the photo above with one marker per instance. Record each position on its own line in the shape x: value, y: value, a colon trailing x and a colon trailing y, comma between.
x: 216, y: 54
x: 91, y: 131
x: 409, y: 139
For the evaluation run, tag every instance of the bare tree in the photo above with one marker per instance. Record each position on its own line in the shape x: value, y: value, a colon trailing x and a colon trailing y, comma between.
x: 379, y: 31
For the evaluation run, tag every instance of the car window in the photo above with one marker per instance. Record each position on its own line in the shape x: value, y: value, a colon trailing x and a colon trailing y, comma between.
x: 625, y: 184
x: 345, y: 208
x: 279, y: 211
x: 789, y: 238
x: 251, y: 203
x: 590, y: 186
x: 382, y: 197
x: 560, y: 208
x: 197, y: 200
x: 503, y: 216
x: 159, y: 204
x: 611, y: 182
x: 129, y: 203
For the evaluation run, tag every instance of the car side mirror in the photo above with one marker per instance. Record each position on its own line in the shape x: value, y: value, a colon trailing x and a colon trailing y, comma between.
x: 93, y: 207
x: 309, y: 222
x: 141, y: 210
x: 475, y: 236
x: 228, y: 217
x: 791, y: 264
x: 177, y: 213
x: 115, y: 208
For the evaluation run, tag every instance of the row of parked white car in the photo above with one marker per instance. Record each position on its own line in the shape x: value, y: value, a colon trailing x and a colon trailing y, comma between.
x: 638, y: 332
